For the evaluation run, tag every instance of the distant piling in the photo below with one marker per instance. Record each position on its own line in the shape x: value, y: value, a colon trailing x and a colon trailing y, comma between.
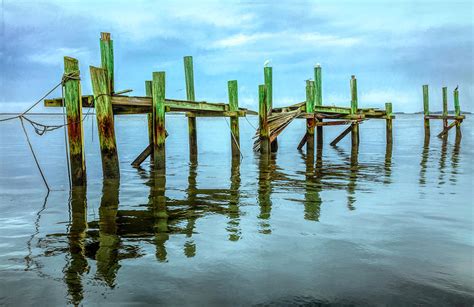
x: 354, y: 106
x: 310, y: 121
x: 318, y: 101
x: 426, y: 110
x: 445, y: 107
x: 388, y: 122
x: 234, y: 120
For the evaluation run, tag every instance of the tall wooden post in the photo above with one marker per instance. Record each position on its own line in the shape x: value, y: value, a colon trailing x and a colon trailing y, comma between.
x: 105, y: 123
x: 189, y: 76
x: 268, y: 80
x: 426, y: 109
x: 107, y: 58
x: 445, y: 107
x: 318, y: 101
x: 354, y: 102
x: 388, y: 122
x: 159, y: 131
x: 310, y: 121
x: 263, y: 120
x: 457, y: 112
x: 148, y: 93
x: 234, y: 120
x: 73, y: 103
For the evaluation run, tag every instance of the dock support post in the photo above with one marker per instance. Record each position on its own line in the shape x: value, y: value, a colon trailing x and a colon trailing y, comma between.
x: 159, y: 131
x: 457, y: 112
x: 318, y: 101
x: 268, y: 80
x: 263, y: 120
x: 107, y: 58
x: 73, y: 103
x: 354, y: 102
x: 388, y: 112
x: 445, y: 107
x: 189, y: 76
x: 105, y: 123
x: 148, y: 93
x: 310, y: 121
x: 234, y: 120
x: 426, y: 110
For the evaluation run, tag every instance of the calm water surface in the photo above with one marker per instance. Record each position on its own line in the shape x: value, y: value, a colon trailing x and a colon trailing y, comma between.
x: 384, y: 226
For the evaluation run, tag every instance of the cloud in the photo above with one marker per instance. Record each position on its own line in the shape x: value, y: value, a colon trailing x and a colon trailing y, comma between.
x: 55, y: 56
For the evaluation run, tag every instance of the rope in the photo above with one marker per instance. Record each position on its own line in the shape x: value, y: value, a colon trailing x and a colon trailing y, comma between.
x: 235, y: 139
x: 250, y: 123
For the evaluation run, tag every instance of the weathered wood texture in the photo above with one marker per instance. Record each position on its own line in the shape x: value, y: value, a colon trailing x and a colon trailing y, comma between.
x: 159, y: 131
x: 457, y: 112
x: 143, y: 155
x: 318, y: 101
x: 72, y: 100
x: 107, y: 58
x: 234, y: 120
x: 426, y: 109
x: 264, y: 131
x: 192, y: 128
x: 310, y: 121
x: 268, y: 81
x: 388, y: 123
x: 354, y: 106
x: 105, y: 123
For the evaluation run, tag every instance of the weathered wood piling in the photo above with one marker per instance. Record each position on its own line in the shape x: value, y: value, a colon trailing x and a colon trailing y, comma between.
x: 192, y: 128
x: 354, y: 106
x: 159, y: 130
x: 264, y: 131
x: 234, y: 120
x: 318, y: 101
x: 310, y: 121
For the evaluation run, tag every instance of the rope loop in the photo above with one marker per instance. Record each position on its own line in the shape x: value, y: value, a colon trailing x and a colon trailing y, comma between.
x: 73, y: 75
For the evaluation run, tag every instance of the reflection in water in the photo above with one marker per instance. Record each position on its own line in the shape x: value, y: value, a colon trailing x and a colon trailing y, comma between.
x: 233, y: 226
x: 388, y: 163
x: 189, y: 245
x: 442, y: 161
x: 354, y: 170
x: 159, y: 212
x: 265, y: 167
x: 455, y: 158
x: 424, y: 160
x: 313, y: 176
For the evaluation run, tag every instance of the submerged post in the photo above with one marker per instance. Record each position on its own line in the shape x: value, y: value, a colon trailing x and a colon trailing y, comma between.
x: 310, y: 121
x: 426, y: 109
x: 354, y: 102
x: 268, y: 80
x: 445, y: 107
x: 264, y: 130
x: 388, y: 122
x: 148, y: 93
x: 105, y: 123
x: 73, y: 103
x: 107, y: 58
x: 234, y: 120
x: 189, y: 76
x: 159, y: 131
x: 318, y: 101
x: 457, y: 111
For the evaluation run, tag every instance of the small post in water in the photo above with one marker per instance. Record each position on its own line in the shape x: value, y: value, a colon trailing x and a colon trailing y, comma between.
x: 310, y: 121
x: 426, y: 109
x: 159, y: 131
x: 318, y: 101
x: 73, y: 103
x: 457, y: 112
x: 263, y: 120
x: 388, y: 112
x: 355, y: 125
x: 189, y: 76
x: 268, y: 80
x: 107, y: 58
x: 234, y: 120
x: 445, y: 107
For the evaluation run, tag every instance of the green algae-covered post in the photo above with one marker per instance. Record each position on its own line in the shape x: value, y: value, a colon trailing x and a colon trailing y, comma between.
x: 426, y: 109
x: 148, y: 93
x: 107, y: 58
x: 310, y: 121
x: 234, y: 120
x: 159, y: 131
x: 268, y: 80
x: 263, y: 120
x: 445, y: 107
x: 457, y: 112
x: 189, y: 76
x: 388, y: 112
x: 73, y: 102
x: 318, y: 101
x: 105, y: 123
x: 354, y: 102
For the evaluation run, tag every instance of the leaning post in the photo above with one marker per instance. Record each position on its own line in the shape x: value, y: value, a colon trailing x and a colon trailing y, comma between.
x: 426, y: 109
x: 445, y: 107
x: 354, y: 102
x: 105, y: 123
x: 264, y: 130
x: 310, y: 121
x: 189, y: 76
x: 268, y: 80
x: 388, y: 122
x: 107, y: 58
x: 234, y: 120
x: 73, y: 103
x: 159, y: 131
x: 318, y: 101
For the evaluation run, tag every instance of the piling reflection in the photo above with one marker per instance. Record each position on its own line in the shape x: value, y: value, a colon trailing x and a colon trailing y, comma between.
x: 442, y: 161
x: 233, y: 226
x: 388, y: 164
x: 424, y: 161
x: 265, y: 167
x: 189, y: 245
x: 353, y: 173
x: 313, y: 176
x: 455, y: 158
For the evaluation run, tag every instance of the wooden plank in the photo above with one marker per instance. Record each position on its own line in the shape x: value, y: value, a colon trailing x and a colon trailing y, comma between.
x: 216, y: 114
x: 303, y: 141
x: 143, y: 155
x: 107, y: 58
x: 234, y: 121
x: 72, y: 100
x: 264, y: 131
x: 310, y: 121
x: 452, y: 117
x: 105, y: 123
x: 189, y: 75
x: 446, y: 130
x: 159, y: 131
x: 341, y: 136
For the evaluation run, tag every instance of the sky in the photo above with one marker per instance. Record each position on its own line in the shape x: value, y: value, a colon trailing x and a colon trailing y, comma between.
x: 393, y: 48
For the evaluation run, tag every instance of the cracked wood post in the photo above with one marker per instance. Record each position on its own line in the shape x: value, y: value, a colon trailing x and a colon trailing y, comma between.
x: 426, y: 109
x: 457, y: 112
x: 310, y: 121
x: 148, y: 93
x: 75, y: 131
x: 107, y: 58
x: 318, y: 101
x: 263, y: 120
x: 105, y: 123
x: 159, y: 131
x: 388, y: 122
x: 355, y: 125
x: 445, y: 107
x: 268, y: 80
x: 234, y: 120
x: 189, y: 76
